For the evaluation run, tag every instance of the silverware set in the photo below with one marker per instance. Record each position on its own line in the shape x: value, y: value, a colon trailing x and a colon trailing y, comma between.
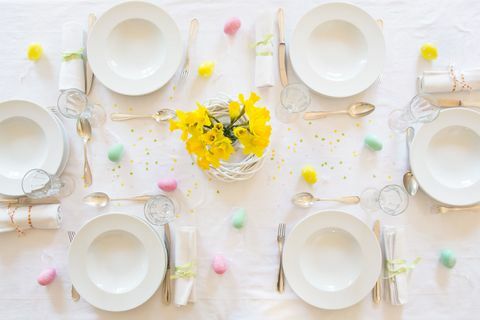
x: 84, y: 131
x: 161, y: 115
x: 74, y: 294
x: 280, y: 243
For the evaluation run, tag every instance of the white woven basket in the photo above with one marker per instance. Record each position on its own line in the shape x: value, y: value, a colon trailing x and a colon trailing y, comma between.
x: 232, y: 171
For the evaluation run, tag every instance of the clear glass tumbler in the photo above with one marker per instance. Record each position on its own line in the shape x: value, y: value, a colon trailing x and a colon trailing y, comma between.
x: 160, y: 210
x: 294, y: 99
x: 419, y: 110
x: 73, y: 104
x: 38, y: 184
x: 392, y: 200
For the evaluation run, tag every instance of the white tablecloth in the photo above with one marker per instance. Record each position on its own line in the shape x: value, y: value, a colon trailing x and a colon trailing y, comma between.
x: 334, y: 147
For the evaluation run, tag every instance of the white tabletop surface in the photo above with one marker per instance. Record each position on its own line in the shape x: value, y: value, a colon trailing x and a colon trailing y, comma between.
x: 334, y: 147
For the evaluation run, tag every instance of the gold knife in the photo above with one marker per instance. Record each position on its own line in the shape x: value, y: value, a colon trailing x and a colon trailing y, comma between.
x: 376, y: 292
x: 282, y: 50
x: 88, y: 71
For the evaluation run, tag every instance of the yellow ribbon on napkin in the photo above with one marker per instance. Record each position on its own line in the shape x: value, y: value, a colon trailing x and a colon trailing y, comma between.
x: 184, y: 271
x: 399, y: 266
x: 72, y: 55
x: 267, y: 39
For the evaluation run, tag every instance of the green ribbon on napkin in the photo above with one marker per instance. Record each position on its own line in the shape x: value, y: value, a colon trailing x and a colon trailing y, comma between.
x: 399, y: 266
x: 267, y: 39
x: 184, y: 271
x: 72, y: 55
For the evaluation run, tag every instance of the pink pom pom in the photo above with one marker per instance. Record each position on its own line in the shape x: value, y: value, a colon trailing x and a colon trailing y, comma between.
x: 219, y: 264
x: 167, y: 184
x: 231, y: 26
x: 47, y: 276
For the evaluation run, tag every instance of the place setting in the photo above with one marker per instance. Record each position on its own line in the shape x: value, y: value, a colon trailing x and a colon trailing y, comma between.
x: 133, y: 237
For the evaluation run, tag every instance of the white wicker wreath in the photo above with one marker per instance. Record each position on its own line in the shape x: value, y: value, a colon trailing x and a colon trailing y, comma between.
x: 232, y: 171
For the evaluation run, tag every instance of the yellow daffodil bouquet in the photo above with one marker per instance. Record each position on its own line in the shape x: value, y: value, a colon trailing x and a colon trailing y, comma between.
x: 214, y: 130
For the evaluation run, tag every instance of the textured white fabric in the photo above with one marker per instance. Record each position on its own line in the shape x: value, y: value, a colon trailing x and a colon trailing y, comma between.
x: 264, y: 64
x: 42, y: 217
x: 72, y: 72
x: 333, y: 146
x: 185, y: 253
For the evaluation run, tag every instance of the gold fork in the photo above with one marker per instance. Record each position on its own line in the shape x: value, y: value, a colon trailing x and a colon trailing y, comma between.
x: 281, y: 242
x: 191, y: 37
x: 75, y: 294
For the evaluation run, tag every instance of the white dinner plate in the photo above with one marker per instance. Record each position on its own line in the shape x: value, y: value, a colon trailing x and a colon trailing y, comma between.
x: 332, y: 260
x: 30, y: 138
x: 337, y: 49
x: 445, y: 157
x: 135, y: 48
x: 116, y: 261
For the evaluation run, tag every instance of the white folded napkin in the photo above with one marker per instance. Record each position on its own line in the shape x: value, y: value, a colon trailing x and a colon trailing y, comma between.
x: 41, y: 217
x: 443, y: 81
x: 185, y: 257
x: 264, y: 64
x: 72, y: 69
x: 395, y: 250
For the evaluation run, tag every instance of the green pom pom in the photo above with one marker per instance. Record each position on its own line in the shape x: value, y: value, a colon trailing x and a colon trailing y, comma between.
x: 115, y: 152
x: 239, y: 217
x: 447, y: 258
x: 373, y: 142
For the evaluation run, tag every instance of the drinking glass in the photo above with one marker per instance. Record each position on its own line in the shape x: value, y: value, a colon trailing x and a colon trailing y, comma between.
x: 294, y: 99
x: 419, y: 110
x: 38, y: 184
x: 392, y: 200
x: 160, y: 210
x: 73, y: 104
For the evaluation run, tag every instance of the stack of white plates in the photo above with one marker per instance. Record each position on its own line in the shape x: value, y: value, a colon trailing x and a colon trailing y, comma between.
x: 117, y: 261
x: 445, y: 157
x: 337, y: 49
x: 332, y: 260
x: 31, y: 137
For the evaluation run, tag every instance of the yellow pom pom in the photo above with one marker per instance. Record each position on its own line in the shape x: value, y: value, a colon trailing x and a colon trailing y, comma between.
x: 429, y: 51
x: 309, y: 174
x: 206, y: 69
x: 34, y: 51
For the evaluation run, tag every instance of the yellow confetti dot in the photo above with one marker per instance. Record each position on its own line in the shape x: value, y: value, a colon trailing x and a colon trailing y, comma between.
x: 150, y: 131
x: 156, y: 161
x: 357, y: 124
x: 335, y: 131
x: 155, y: 140
x: 132, y: 130
x: 131, y: 161
x: 355, y: 153
x: 172, y: 169
x: 289, y: 129
x: 140, y: 138
x: 301, y: 140
x: 130, y: 109
x: 218, y: 191
x: 131, y: 173
x: 316, y: 136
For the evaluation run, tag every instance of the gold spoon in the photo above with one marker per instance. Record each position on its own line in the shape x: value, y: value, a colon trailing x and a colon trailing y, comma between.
x: 84, y: 130
x: 356, y: 110
x: 159, y: 116
x: 306, y: 199
x: 101, y: 199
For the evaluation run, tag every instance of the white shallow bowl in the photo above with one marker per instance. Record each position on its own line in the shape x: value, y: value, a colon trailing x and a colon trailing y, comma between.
x: 332, y: 260
x: 337, y: 49
x: 116, y: 262
x: 445, y: 157
x: 30, y: 138
x: 135, y: 48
